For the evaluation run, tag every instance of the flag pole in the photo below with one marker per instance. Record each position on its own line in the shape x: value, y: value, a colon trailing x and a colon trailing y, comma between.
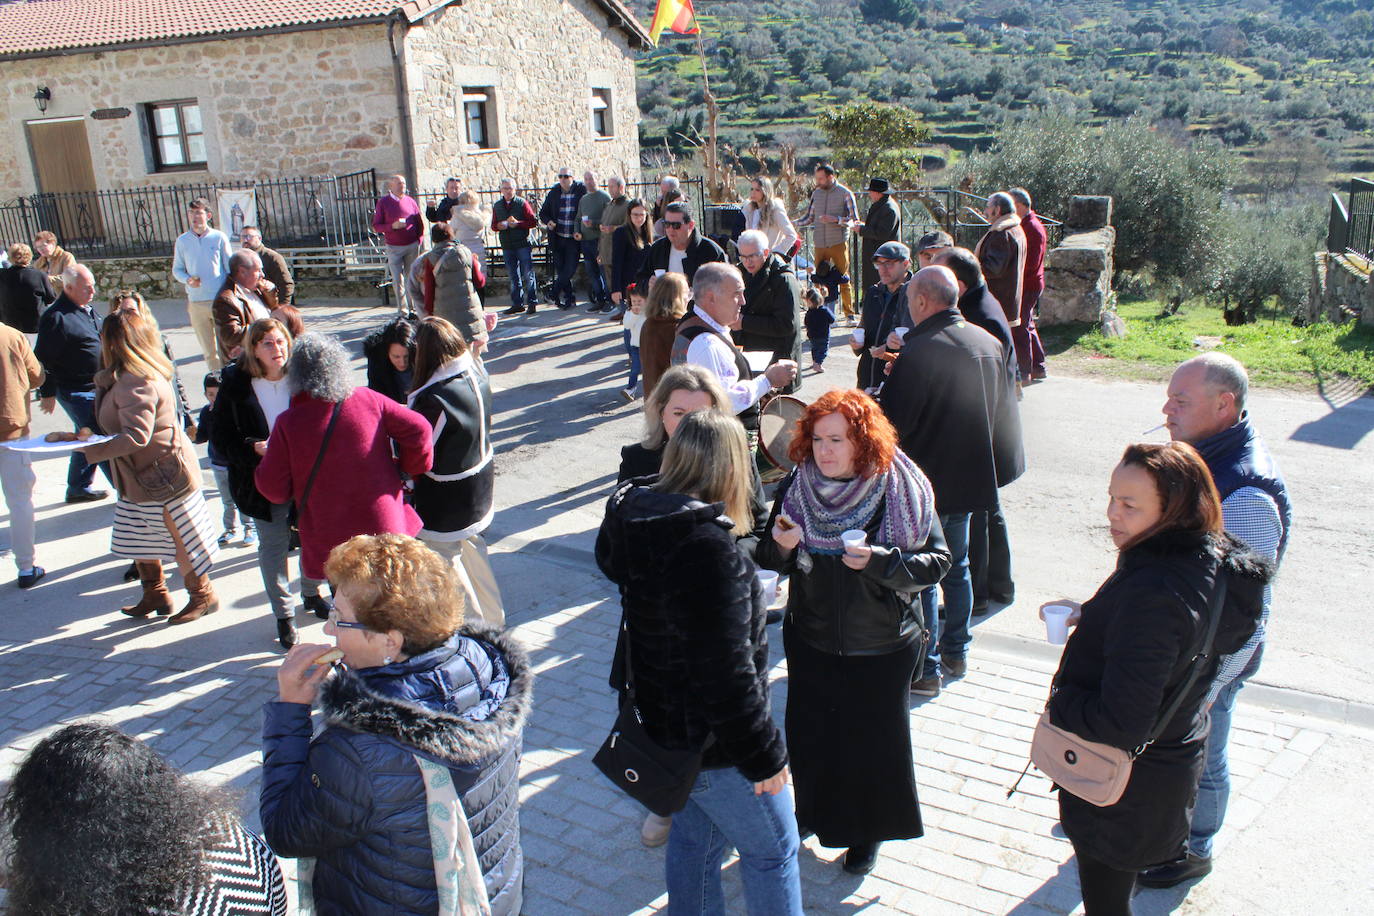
x: 712, y: 112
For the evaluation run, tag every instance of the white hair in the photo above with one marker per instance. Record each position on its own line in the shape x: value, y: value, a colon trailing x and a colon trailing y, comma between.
x: 671, y: 181
x: 756, y: 237
x: 74, y: 272
x: 1225, y: 373
x: 712, y: 277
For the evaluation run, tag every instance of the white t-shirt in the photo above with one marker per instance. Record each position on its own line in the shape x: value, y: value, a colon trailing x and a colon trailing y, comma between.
x: 633, y: 323
x: 675, y: 259
x: 273, y: 397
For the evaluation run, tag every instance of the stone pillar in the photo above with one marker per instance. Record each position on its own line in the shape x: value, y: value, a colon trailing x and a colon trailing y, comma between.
x: 1078, y: 273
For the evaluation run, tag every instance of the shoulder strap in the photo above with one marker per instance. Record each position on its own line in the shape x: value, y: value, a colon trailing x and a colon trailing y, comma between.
x: 1214, y: 610
x: 324, y: 444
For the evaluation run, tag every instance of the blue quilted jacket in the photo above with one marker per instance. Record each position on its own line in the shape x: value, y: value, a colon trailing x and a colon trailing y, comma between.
x: 353, y: 797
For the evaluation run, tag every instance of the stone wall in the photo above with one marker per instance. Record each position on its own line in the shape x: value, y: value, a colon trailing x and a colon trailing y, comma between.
x: 542, y: 60
x: 153, y: 278
x: 1341, y: 289
x: 302, y: 103
x: 1078, y: 272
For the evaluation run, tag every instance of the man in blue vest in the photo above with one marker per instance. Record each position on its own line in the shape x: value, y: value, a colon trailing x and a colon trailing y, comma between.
x: 1206, y: 409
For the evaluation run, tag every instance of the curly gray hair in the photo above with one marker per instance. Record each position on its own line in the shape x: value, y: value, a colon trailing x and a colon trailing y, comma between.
x: 319, y: 367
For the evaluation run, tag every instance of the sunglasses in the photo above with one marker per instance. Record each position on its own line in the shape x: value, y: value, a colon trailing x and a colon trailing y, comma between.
x: 668, y: 225
x: 346, y: 624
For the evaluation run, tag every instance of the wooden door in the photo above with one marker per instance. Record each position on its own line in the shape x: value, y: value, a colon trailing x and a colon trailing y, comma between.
x: 62, y: 165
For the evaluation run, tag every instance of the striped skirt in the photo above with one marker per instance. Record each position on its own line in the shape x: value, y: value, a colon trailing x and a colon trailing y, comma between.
x: 141, y: 533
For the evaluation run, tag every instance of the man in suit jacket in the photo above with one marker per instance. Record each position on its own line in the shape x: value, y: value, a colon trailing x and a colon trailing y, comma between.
x: 246, y: 297
x: 882, y: 223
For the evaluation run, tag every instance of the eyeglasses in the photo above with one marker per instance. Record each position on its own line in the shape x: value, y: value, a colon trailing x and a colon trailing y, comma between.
x: 750, y: 256
x: 561, y: 177
x: 346, y: 624
x: 669, y: 225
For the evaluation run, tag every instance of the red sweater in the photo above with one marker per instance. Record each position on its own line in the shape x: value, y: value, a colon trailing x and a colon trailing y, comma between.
x: 389, y: 209
x: 358, y: 487
x: 1036, y: 240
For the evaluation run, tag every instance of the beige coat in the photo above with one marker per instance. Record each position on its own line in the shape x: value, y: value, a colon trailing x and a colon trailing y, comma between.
x: 20, y: 373
x: 141, y: 414
x: 54, y: 264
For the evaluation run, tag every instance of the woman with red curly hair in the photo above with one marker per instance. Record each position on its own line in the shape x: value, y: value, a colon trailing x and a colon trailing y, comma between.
x: 853, y: 631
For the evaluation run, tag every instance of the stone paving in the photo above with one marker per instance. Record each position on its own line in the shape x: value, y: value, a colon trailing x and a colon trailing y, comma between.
x: 195, y: 694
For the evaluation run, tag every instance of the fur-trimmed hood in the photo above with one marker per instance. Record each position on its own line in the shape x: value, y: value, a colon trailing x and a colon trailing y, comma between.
x: 401, y: 701
x: 1231, y: 552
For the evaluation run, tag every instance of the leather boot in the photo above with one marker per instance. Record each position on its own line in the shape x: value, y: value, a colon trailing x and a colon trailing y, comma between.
x: 203, y: 600
x: 155, y: 594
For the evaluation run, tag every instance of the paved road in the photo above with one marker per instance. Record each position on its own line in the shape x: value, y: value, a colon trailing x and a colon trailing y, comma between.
x: 193, y: 691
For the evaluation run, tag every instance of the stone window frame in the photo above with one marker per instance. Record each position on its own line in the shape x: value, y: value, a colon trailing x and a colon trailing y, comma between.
x: 605, y: 96
x: 179, y: 106
x: 489, y: 97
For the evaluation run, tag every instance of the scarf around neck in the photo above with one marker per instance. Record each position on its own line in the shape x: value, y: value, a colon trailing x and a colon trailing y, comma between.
x: 824, y: 508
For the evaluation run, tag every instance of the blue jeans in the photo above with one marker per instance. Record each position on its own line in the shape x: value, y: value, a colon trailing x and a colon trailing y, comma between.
x: 566, y: 253
x: 596, y: 280
x: 520, y: 270
x: 724, y: 811
x: 80, y: 408
x: 1214, y: 790
x: 820, y: 348
x: 950, y: 636
x: 633, y: 353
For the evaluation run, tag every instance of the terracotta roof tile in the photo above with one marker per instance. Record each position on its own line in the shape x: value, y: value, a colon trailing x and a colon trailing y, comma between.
x: 38, y: 26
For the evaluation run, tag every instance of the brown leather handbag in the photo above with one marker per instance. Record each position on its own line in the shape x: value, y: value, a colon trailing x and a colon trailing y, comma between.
x: 1097, y: 772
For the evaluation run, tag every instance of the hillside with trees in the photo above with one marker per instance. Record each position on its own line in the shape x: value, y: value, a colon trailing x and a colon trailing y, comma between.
x: 1287, y: 84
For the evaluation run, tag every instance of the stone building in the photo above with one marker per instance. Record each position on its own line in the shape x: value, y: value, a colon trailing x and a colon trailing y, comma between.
x: 109, y: 94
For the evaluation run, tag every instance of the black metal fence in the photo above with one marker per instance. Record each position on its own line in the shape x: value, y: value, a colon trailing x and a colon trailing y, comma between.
x: 1350, y: 227
x: 312, y: 211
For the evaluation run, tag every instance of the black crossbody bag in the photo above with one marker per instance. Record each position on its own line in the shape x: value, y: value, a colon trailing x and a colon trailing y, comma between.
x: 659, y: 779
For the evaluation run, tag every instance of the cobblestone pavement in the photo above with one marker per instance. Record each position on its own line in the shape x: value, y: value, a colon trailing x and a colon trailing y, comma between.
x: 195, y: 694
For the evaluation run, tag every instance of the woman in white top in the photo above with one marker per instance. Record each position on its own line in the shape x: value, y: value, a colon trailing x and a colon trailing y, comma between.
x: 468, y: 221
x: 766, y: 213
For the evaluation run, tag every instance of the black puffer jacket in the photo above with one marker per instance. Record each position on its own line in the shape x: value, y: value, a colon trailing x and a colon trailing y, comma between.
x: 1131, y: 650
x: 237, y: 421
x: 695, y: 618
x: 844, y: 611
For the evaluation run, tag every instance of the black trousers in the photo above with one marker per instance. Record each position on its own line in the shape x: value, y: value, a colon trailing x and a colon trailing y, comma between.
x: 989, y: 557
x: 1106, y: 890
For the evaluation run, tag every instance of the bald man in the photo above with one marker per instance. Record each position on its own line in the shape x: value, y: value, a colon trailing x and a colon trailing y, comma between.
x: 956, y: 416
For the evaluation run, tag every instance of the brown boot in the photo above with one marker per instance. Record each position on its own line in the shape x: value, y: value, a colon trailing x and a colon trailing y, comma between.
x: 155, y: 594
x: 203, y: 600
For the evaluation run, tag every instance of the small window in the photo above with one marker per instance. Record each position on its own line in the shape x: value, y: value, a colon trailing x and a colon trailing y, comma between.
x: 478, y: 117
x: 601, y: 113
x: 177, y: 136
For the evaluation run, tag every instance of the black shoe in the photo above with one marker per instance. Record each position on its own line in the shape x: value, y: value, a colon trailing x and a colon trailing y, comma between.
x: 1172, y: 874
x: 859, y: 860
x: 516, y: 310
x: 529, y: 310
x: 981, y: 610
x: 954, y: 666
x: 131, y: 573
x: 286, y: 634
x: 1003, y: 597
x: 29, y: 580
x: 86, y: 496
x: 318, y: 605
x: 926, y: 686
x: 775, y: 615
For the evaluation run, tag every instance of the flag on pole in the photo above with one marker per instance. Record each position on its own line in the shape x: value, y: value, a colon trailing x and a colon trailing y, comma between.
x: 675, y: 16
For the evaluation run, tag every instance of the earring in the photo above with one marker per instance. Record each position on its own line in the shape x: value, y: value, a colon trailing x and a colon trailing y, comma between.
x: 386, y: 659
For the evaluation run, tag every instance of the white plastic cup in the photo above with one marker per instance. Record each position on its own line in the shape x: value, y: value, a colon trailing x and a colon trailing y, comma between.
x: 768, y: 580
x: 1057, y: 623
x: 901, y: 333
x: 854, y: 537
x: 858, y: 336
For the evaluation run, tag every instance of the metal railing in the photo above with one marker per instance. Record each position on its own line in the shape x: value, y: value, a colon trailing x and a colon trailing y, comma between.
x: 323, y: 210
x: 1350, y: 227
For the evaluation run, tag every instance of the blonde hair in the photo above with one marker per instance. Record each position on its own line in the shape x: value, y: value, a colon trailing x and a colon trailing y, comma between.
x: 667, y: 297
x: 129, y: 345
x: 708, y: 458
x: 765, y: 208
x: 21, y: 255
x: 686, y: 377
x: 466, y: 199
x: 397, y: 583
x: 143, y: 311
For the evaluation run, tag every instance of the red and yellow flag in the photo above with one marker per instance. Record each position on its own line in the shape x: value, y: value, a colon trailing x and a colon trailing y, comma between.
x: 675, y: 16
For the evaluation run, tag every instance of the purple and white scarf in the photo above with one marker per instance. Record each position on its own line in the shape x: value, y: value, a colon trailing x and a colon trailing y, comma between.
x: 824, y: 508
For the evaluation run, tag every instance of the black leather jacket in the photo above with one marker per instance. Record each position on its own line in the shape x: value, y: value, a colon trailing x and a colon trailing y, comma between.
x: 851, y: 612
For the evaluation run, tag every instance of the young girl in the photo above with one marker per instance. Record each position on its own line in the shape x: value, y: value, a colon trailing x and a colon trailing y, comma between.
x: 819, y: 317
x: 633, y: 320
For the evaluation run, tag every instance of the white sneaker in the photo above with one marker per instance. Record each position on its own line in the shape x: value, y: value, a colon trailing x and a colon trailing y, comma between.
x: 655, y: 830
x: 628, y: 394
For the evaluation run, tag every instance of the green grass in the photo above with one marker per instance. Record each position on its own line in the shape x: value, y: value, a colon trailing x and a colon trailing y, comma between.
x: 1277, y: 354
